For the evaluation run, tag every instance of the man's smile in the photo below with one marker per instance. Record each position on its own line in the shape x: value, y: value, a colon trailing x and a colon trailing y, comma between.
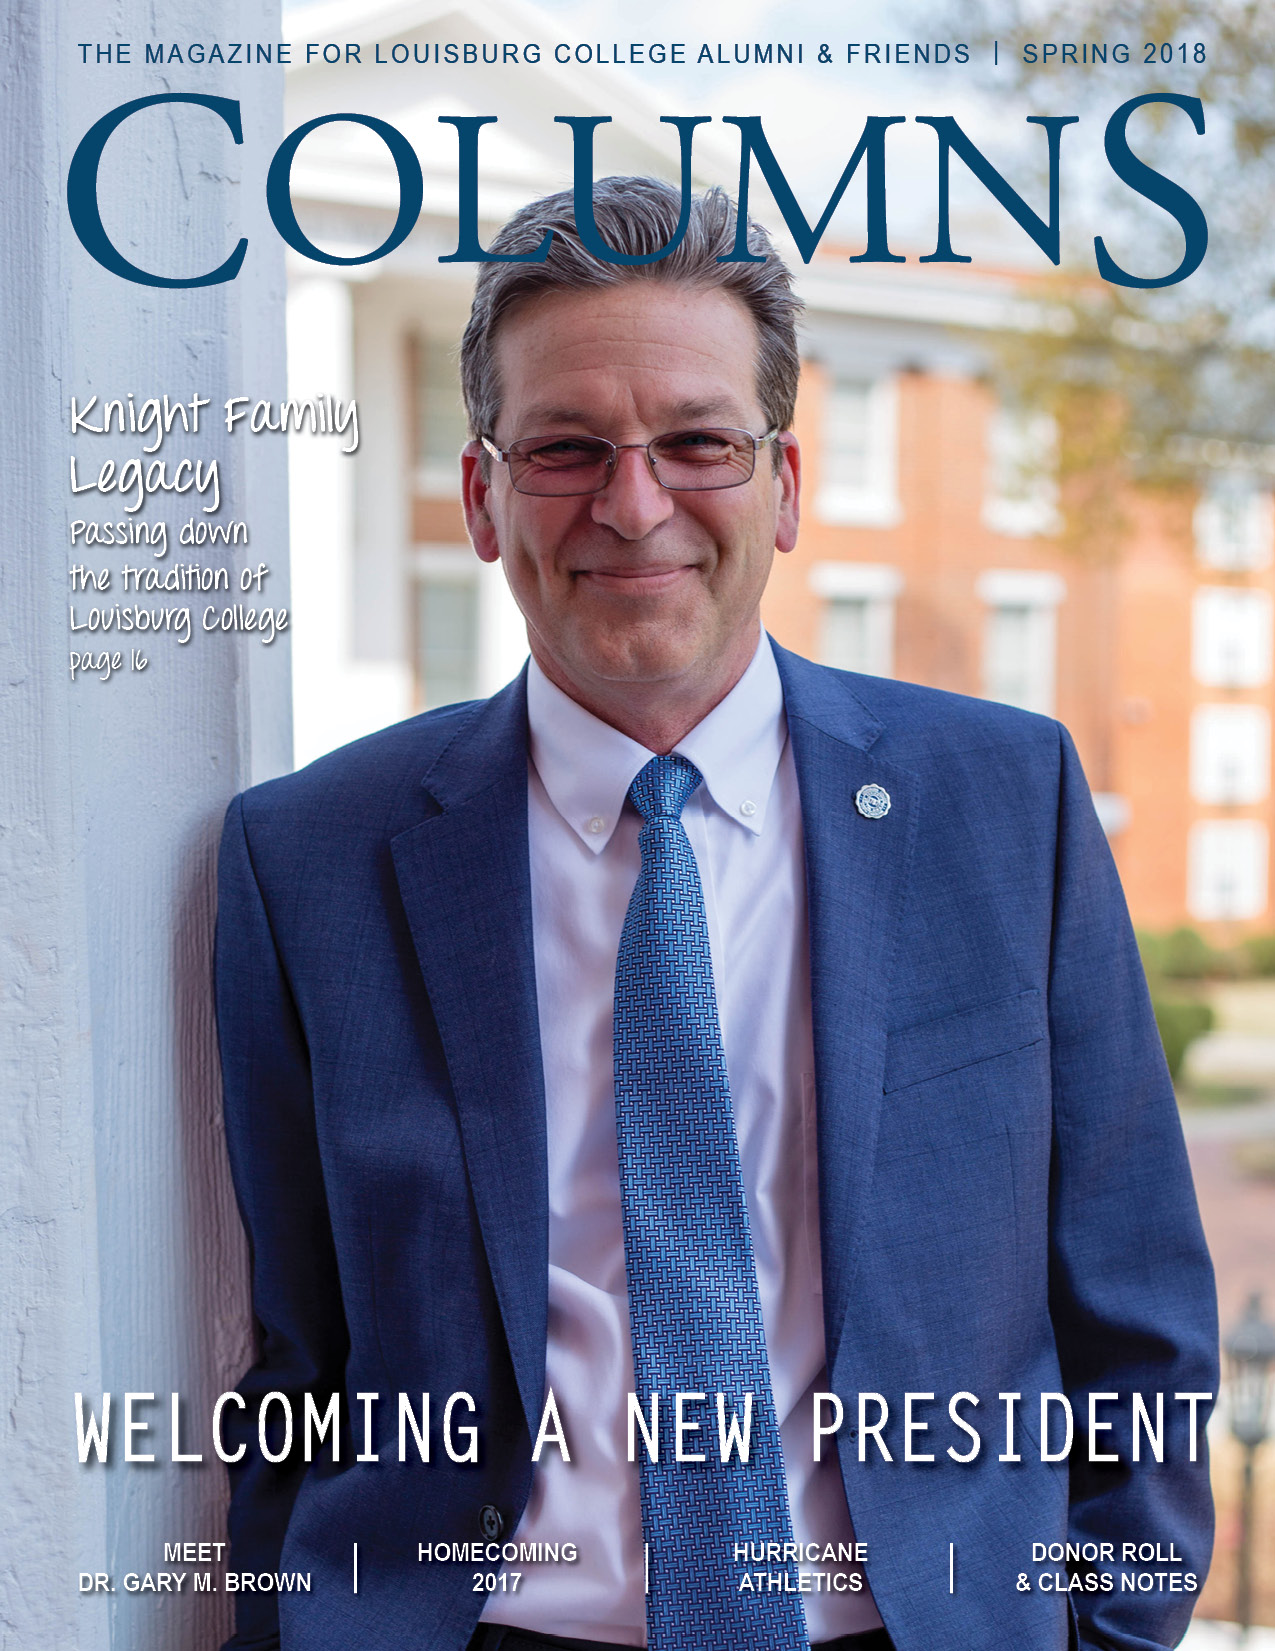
x: 637, y: 581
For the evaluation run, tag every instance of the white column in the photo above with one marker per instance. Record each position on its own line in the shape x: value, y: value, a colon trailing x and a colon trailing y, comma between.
x: 123, y: 1265
x: 381, y: 627
x: 350, y: 670
x: 321, y: 486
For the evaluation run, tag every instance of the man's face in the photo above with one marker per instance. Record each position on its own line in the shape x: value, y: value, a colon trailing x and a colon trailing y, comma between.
x: 635, y: 585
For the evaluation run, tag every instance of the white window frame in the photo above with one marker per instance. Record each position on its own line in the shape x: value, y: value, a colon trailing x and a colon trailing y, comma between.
x: 1213, y: 846
x: 1041, y: 594
x: 1231, y: 634
x: 1022, y: 451
x: 435, y: 477
x: 1234, y: 525
x: 876, y: 503
x: 877, y: 586
x: 502, y: 631
x: 1230, y: 754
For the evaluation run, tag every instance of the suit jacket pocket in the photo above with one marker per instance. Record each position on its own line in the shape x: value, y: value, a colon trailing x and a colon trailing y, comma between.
x: 936, y: 1047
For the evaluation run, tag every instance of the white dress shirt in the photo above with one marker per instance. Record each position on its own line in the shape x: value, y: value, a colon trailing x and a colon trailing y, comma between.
x: 744, y: 824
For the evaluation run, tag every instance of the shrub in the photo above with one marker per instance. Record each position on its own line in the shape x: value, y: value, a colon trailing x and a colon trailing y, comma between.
x: 1260, y: 951
x: 1179, y: 1023
x: 1186, y: 955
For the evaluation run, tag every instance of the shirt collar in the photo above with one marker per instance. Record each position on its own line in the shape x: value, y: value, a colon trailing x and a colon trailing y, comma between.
x: 587, y: 767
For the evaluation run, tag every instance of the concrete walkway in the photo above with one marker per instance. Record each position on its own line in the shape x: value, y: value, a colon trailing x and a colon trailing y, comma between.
x: 1249, y: 1121
x: 1232, y: 1057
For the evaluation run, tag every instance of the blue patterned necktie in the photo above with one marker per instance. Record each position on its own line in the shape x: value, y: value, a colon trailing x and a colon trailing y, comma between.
x: 693, y: 1303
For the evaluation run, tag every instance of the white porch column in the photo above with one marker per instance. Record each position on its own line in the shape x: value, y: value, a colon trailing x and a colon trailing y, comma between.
x: 123, y: 1265
x: 340, y: 688
x: 321, y: 486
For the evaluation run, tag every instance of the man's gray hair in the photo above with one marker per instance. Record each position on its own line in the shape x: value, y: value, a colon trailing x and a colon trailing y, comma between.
x: 634, y: 216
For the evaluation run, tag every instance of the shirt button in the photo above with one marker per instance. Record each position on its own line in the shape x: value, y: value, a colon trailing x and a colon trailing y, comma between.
x: 595, y: 825
x: 490, y: 1522
x: 748, y: 808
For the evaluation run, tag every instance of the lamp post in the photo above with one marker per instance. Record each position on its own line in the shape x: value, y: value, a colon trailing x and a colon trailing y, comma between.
x: 1250, y: 1351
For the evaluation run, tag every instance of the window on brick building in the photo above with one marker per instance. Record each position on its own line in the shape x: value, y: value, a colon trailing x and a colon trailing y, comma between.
x: 1020, y: 497
x: 441, y: 430
x: 1231, y: 637
x: 446, y: 625
x: 1234, y: 526
x: 1230, y: 754
x: 469, y: 638
x: 1020, y: 642
x: 858, y: 460
x: 856, y: 621
x: 1226, y: 870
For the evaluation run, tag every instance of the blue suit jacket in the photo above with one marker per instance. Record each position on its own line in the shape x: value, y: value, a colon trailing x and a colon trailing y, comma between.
x: 1005, y: 1199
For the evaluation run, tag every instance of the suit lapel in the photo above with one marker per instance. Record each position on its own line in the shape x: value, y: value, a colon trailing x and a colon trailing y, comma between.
x: 465, y: 881
x: 856, y: 873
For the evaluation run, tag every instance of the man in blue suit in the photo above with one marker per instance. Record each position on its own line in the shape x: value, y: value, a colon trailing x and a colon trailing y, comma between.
x: 723, y: 1085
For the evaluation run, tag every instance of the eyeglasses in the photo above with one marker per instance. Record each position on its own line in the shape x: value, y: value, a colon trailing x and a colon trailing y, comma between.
x: 684, y: 461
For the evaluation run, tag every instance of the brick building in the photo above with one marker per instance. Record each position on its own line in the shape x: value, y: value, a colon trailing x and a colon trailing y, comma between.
x: 929, y: 551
